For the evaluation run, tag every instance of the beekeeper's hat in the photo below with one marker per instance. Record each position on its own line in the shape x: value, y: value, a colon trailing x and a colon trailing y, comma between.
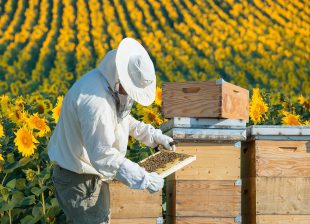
x: 136, y: 71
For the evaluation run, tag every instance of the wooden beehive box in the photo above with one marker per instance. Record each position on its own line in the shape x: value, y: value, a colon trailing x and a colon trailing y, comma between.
x: 134, y: 206
x: 214, y: 99
x: 276, y: 175
x: 207, y: 190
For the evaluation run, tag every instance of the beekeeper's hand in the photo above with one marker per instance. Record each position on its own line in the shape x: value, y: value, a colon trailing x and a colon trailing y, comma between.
x: 156, y: 182
x: 132, y: 175
x: 163, y: 140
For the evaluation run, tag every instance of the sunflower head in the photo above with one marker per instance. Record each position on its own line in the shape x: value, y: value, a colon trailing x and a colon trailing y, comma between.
x: 158, y: 98
x: 1, y: 130
x: 258, y: 108
x: 35, y: 122
x: 18, y: 116
x: 57, y: 109
x: 291, y: 119
x: 25, y: 141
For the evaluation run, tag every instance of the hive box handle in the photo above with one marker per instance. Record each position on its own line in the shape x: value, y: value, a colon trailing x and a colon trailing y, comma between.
x: 191, y: 90
x: 291, y: 148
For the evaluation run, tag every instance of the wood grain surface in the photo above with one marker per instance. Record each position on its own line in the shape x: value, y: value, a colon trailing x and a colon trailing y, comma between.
x: 134, y: 221
x: 199, y: 220
x: 235, y: 102
x: 191, y: 99
x: 276, y: 195
x: 203, y: 198
x: 128, y: 203
x: 213, y: 162
x: 282, y: 158
x: 205, y: 99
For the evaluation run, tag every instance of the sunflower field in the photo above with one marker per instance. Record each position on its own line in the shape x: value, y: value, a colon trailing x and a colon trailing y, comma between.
x: 46, y: 45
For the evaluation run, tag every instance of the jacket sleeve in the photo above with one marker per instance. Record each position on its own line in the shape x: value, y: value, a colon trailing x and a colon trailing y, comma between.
x: 97, y: 130
x: 142, y: 132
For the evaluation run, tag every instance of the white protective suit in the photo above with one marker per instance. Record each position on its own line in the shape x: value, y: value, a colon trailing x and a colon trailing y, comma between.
x: 89, y: 138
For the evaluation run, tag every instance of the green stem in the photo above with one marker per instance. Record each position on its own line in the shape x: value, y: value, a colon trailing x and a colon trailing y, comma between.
x: 4, y: 178
x: 42, y: 194
x: 10, y: 216
x: 43, y: 203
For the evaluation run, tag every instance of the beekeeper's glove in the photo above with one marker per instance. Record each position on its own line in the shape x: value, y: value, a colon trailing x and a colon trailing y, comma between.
x: 136, y: 177
x: 156, y: 182
x: 163, y: 140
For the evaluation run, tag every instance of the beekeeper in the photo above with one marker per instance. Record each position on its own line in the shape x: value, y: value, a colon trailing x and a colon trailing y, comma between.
x: 89, y: 143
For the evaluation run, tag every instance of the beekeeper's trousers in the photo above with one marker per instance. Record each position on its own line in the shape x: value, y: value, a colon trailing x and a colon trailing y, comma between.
x: 84, y: 198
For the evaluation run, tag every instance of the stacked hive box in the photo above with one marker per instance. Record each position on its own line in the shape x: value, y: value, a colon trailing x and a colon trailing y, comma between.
x: 276, y: 175
x: 134, y: 206
x: 209, y: 189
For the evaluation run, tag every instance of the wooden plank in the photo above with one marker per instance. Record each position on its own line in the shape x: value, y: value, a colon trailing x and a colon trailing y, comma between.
x: 282, y: 158
x: 282, y: 196
x: 191, y: 99
x: 134, y: 221
x: 128, y: 203
x: 283, y: 219
x: 204, y: 198
x: 235, y: 101
x: 199, y: 220
x: 191, y: 122
x: 203, y: 135
x: 213, y: 162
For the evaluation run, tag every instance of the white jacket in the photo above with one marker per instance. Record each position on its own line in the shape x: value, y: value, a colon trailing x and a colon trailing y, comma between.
x: 88, y: 137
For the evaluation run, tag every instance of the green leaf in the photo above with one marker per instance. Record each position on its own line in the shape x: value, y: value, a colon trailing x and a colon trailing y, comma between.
x: 27, y: 220
x: 37, y: 212
x: 11, y: 184
x: 22, y: 162
x: 28, y: 200
x: 21, y: 183
x: 37, y: 191
x: 10, y: 158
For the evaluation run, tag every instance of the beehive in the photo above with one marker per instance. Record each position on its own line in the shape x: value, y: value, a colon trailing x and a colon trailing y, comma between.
x: 208, y: 190
x: 215, y: 99
x: 276, y: 175
x: 134, y: 206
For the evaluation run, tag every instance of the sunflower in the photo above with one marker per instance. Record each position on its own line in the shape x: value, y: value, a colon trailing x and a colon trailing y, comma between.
x: 25, y: 141
x: 20, y: 102
x: 158, y: 98
x: 18, y: 116
x: 35, y: 122
x: 302, y: 100
x: 150, y: 116
x: 57, y: 109
x: 14, y: 89
x: 258, y: 108
x: 5, y: 103
x: 30, y: 174
x: 41, y: 106
x: 1, y: 157
x: 290, y: 119
x: 1, y: 130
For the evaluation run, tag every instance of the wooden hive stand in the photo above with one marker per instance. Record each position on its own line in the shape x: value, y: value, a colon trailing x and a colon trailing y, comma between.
x: 276, y: 175
x: 209, y: 189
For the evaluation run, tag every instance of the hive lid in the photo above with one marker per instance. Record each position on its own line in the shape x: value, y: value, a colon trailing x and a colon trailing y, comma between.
x: 278, y: 132
x: 171, y: 166
x: 203, y: 123
x: 207, y: 135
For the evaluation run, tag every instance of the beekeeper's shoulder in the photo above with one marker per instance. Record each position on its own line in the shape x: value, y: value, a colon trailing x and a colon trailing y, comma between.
x: 91, y: 96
